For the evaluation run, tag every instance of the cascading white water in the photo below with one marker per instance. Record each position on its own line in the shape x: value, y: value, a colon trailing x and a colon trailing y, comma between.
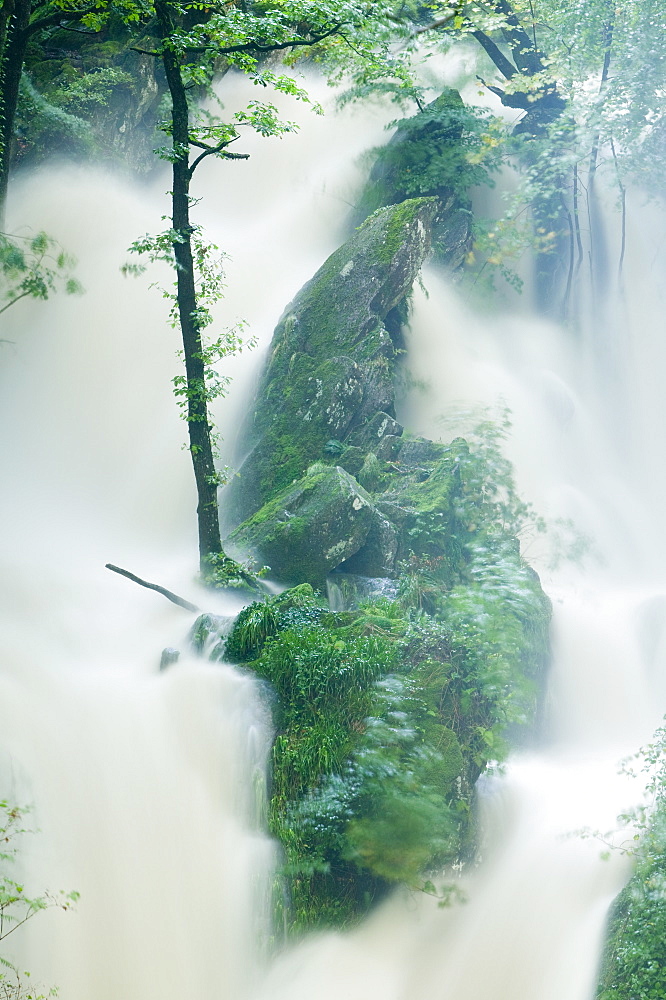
x: 147, y: 786
x: 532, y: 925
x: 143, y: 782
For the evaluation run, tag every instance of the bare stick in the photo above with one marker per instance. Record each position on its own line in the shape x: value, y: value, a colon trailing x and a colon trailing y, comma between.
x: 174, y: 598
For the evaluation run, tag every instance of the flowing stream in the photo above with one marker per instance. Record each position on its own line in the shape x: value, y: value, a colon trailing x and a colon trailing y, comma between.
x: 148, y: 787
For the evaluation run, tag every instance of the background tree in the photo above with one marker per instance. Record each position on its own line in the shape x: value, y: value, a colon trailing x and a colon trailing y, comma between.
x: 589, y: 92
x: 19, y: 20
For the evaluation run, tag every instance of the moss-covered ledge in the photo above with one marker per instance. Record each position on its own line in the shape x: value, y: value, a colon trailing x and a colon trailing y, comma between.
x: 311, y: 527
x: 387, y: 713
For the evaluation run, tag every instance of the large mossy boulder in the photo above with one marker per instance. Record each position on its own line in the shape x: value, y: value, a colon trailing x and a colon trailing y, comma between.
x: 331, y: 363
x: 388, y: 708
x: 385, y: 716
x: 314, y: 525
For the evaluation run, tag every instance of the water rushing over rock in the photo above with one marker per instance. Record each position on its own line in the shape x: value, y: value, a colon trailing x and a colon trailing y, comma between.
x: 149, y: 788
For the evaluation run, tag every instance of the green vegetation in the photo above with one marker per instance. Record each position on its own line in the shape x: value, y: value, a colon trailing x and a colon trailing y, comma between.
x: 443, y: 151
x: 387, y: 714
x: 33, y: 267
x: 190, y: 49
x: 585, y: 81
x: 634, y: 966
x: 437, y: 152
x: 634, y: 962
x: 17, y: 906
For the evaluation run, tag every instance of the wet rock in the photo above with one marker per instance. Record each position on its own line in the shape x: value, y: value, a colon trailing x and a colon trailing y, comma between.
x: 376, y: 429
x: 347, y: 590
x: 208, y: 634
x: 389, y: 448
x: 370, y: 473
x: 352, y: 460
x: 168, y: 657
x: 378, y: 553
x: 331, y: 365
x: 420, y: 452
x: 425, y: 156
x: 313, y: 526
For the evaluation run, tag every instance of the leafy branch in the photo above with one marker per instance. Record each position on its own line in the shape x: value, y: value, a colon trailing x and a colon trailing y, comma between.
x: 17, y: 907
x: 33, y: 267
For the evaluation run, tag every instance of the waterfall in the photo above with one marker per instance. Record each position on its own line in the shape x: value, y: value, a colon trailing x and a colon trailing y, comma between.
x: 147, y: 786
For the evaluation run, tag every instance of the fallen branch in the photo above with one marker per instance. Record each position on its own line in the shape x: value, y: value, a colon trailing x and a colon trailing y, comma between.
x: 174, y: 598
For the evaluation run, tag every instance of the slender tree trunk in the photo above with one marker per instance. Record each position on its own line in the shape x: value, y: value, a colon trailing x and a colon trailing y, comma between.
x: 201, y: 449
x: 551, y: 223
x: 12, y: 52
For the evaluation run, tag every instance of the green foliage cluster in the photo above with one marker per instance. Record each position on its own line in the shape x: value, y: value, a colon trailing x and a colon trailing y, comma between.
x: 220, y: 572
x: 625, y: 107
x: 17, y: 906
x: 634, y: 962
x: 447, y: 148
x: 634, y: 965
x: 387, y: 714
x: 91, y: 72
x: 357, y: 758
x: 33, y: 267
x: 45, y: 128
x: 85, y: 93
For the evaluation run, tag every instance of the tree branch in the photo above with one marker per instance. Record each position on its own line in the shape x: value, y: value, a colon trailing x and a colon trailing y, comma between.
x: 60, y: 19
x: 257, y: 47
x: 11, y: 303
x: 623, y: 201
x: 570, y: 269
x: 439, y: 23
x: 214, y: 151
x: 504, y: 65
x: 576, y: 215
x: 608, y: 44
x: 174, y: 598
x: 533, y: 25
x: 82, y: 31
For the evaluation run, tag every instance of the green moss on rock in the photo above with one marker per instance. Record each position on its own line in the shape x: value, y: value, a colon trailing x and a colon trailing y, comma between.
x: 310, y: 528
x: 332, y: 359
x: 385, y: 716
x: 438, y: 152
